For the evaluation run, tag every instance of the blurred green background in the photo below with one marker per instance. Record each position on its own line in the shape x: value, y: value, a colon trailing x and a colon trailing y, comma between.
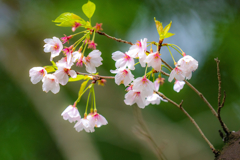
x: 31, y: 126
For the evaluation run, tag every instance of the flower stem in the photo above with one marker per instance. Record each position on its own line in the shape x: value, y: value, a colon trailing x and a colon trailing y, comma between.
x: 171, y: 55
x: 89, y: 95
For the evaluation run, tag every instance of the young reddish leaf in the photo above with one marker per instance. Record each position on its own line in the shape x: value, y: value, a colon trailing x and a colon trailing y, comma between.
x: 89, y: 9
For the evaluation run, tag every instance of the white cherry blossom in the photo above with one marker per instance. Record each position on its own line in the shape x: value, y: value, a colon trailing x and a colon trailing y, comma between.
x: 50, y: 83
x: 71, y: 114
x: 188, y: 64
x: 154, y: 99
x: 84, y: 124
x: 92, y: 61
x: 177, y: 73
x: 37, y: 74
x: 178, y: 85
x: 144, y: 85
x: 138, y: 49
x: 78, y: 57
x: 64, y: 70
x: 123, y: 60
x: 54, y: 46
x: 123, y: 76
x: 97, y: 119
x: 134, y: 96
x: 154, y: 60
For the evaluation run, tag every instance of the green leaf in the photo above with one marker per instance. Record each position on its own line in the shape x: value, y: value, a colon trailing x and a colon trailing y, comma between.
x: 169, y: 35
x: 159, y: 28
x: 68, y: 19
x: 78, y: 78
x: 49, y: 69
x: 166, y: 29
x: 89, y: 9
x: 82, y: 88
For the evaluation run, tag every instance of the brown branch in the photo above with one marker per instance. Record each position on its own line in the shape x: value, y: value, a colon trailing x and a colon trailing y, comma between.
x: 220, y: 105
x: 96, y: 77
x: 202, y: 97
x: 167, y: 64
x: 191, y: 119
x: 116, y: 39
x: 219, y: 81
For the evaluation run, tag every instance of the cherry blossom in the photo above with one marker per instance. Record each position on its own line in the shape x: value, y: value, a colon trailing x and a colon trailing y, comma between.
x: 134, y: 96
x: 37, y: 74
x: 123, y: 76
x: 50, y: 83
x: 63, y: 72
x: 138, y: 49
x: 54, y: 46
x: 71, y: 114
x: 123, y: 60
x: 154, y: 99
x: 68, y: 52
x: 177, y: 73
x: 188, y: 64
x: 154, y: 60
x: 77, y: 56
x: 84, y: 123
x: 144, y: 85
x: 92, y: 61
x: 97, y: 119
x: 178, y: 85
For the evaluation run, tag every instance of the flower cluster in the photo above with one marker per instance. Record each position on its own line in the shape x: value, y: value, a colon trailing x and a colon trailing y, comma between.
x: 63, y: 66
x: 88, y: 123
x: 141, y: 90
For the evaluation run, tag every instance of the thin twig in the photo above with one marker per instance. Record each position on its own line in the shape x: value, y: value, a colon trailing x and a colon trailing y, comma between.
x: 145, y: 132
x: 219, y: 81
x: 220, y: 105
x: 225, y: 129
x: 96, y: 77
x: 179, y: 106
x: 167, y: 64
x: 202, y: 97
x: 191, y: 119
x: 116, y: 39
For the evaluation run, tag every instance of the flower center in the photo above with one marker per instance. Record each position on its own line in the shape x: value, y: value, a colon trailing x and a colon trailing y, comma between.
x: 125, y: 72
x: 156, y: 55
x: 66, y: 70
x: 41, y: 72
x: 56, y: 47
x: 88, y: 59
x: 144, y: 80
x: 139, y: 44
x: 127, y: 57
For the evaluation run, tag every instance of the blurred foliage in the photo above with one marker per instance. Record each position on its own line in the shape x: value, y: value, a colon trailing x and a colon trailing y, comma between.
x: 23, y: 133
